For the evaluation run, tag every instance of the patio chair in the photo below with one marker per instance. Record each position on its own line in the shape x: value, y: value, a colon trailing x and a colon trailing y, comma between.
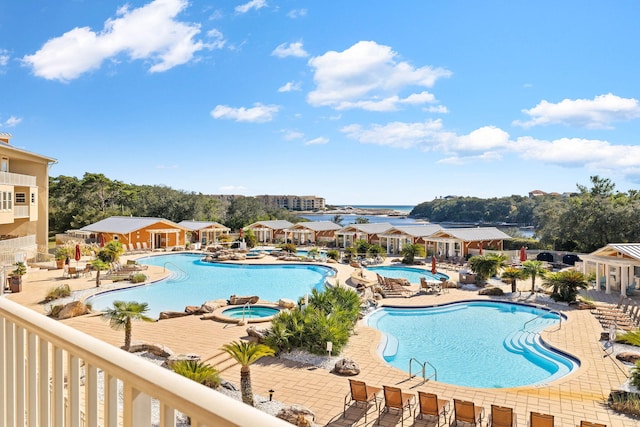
x: 429, y: 404
x: 467, y: 412
x: 502, y: 416
x: 394, y: 398
x: 87, y: 271
x: 537, y: 419
x: 360, y: 392
x: 590, y: 424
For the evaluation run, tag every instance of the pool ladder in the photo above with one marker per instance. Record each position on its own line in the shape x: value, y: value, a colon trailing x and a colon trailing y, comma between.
x: 244, y: 307
x: 524, y: 327
x: 423, y: 365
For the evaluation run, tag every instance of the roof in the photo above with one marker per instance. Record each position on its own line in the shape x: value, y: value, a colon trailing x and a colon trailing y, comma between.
x: 20, y: 153
x: 370, y: 228
x: 425, y: 230
x: 474, y: 234
x: 631, y: 250
x: 200, y: 225
x: 277, y: 224
x: 318, y: 225
x: 126, y: 224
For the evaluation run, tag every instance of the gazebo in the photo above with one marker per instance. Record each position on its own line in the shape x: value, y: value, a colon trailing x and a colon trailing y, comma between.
x: 616, y: 266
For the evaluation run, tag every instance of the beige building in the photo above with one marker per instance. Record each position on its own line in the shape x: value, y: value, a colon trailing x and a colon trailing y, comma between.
x: 294, y: 203
x: 24, y: 202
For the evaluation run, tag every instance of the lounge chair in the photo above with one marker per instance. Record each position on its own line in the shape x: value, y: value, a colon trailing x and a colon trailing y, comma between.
x: 394, y: 398
x: 429, y: 404
x: 139, y: 246
x: 590, y: 424
x: 145, y: 247
x: 502, y: 416
x: 467, y: 412
x: 132, y: 249
x: 360, y: 392
x: 537, y: 419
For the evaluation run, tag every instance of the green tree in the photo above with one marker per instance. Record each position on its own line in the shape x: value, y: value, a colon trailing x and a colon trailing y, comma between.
x: 533, y: 269
x: 566, y: 284
x: 99, y: 265
x: 410, y: 252
x: 246, y: 354
x: 122, y: 314
x: 362, y: 220
x: 485, y: 266
x: 337, y: 219
x: 512, y: 274
x: 197, y: 371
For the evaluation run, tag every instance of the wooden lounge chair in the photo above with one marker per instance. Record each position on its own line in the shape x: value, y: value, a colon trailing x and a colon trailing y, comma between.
x: 590, y: 424
x: 467, y: 412
x: 429, y: 404
x: 537, y: 419
x: 502, y: 416
x: 394, y: 398
x: 360, y: 392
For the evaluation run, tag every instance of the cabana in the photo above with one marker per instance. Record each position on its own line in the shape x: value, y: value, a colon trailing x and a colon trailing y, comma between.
x: 616, y: 266
x: 312, y: 232
x: 205, y: 232
x: 270, y: 231
x: 460, y: 242
x: 370, y: 232
x: 397, y: 237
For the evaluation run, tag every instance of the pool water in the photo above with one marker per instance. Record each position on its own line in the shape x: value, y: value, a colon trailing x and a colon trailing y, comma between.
x: 250, y: 312
x: 194, y: 282
x: 411, y: 274
x: 474, y: 344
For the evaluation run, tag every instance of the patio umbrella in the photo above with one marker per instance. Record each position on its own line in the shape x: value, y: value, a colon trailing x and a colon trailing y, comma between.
x: 78, y: 254
x: 102, y: 240
x: 480, y: 248
x: 434, y: 268
x: 523, y: 254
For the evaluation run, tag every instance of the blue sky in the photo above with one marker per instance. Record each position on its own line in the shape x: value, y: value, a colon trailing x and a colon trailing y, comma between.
x: 359, y: 102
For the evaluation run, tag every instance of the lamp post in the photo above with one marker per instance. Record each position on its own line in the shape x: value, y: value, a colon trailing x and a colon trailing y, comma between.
x: 329, y: 348
x: 271, y: 391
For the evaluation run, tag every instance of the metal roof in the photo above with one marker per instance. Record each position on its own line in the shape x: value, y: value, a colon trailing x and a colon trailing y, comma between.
x: 629, y: 249
x: 318, y: 225
x: 199, y: 225
x: 125, y: 224
x: 473, y: 234
x: 277, y: 224
x: 417, y: 230
x: 370, y: 228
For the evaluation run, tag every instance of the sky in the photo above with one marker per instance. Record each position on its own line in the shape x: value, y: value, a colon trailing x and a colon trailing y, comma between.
x: 359, y: 102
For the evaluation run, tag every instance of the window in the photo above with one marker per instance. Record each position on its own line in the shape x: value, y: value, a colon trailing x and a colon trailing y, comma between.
x: 33, y: 198
x: 4, y: 200
x: 21, y: 198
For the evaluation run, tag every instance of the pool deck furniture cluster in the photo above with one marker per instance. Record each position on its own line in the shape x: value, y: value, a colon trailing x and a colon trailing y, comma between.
x: 582, y: 395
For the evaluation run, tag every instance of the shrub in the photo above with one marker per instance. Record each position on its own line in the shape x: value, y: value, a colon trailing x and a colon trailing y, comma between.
x: 334, y: 254
x: 61, y: 291
x: 630, y: 337
x: 635, y: 375
x: 197, y: 371
x: 626, y: 403
x: 289, y: 247
x: 138, y: 277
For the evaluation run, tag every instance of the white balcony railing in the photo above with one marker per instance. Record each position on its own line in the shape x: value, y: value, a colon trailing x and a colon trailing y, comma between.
x: 17, y: 179
x: 21, y: 211
x: 54, y: 375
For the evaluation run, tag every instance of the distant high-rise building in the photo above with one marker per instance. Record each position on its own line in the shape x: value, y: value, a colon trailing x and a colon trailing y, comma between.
x: 294, y: 203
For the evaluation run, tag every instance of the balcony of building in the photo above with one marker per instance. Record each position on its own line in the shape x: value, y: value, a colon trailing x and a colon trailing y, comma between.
x: 51, y: 374
x: 17, y: 179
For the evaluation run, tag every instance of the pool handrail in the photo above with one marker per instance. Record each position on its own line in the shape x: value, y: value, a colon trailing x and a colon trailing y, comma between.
x: 542, y: 314
x: 424, y: 369
x: 173, y: 264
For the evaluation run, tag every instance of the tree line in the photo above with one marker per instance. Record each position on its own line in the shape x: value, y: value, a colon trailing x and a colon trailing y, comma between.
x: 75, y: 203
x: 584, y: 221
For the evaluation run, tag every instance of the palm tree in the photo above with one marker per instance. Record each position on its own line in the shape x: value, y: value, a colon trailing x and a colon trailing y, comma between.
x: 512, y: 274
x: 337, y: 219
x: 566, y: 284
x: 410, y: 252
x: 533, y: 269
x: 123, y: 313
x: 246, y: 353
x: 197, y: 371
x: 485, y: 266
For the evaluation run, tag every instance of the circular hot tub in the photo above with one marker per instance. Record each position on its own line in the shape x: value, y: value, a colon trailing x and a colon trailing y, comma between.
x: 250, y: 314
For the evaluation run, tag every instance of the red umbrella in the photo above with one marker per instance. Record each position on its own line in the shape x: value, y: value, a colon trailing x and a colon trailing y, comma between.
x: 480, y: 248
x: 523, y: 254
x: 102, y: 240
x: 434, y: 269
x: 78, y: 254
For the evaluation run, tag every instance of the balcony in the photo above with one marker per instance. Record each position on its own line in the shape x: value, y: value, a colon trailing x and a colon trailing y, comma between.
x: 17, y: 179
x: 51, y: 374
x: 21, y: 211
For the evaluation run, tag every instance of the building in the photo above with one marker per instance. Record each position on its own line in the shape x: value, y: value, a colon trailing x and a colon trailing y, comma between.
x: 149, y: 233
x: 294, y: 203
x: 270, y: 231
x: 205, y: 232
x: 24, y: 202
x: 616, y: 267
x: 313, y: 232
x: 462, y: 242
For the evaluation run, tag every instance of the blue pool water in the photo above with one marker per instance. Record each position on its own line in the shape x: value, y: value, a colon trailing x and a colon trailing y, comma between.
x: 474, y: 344
x: 250, y: 312
x: 411, y: 274
x: 193, y: 282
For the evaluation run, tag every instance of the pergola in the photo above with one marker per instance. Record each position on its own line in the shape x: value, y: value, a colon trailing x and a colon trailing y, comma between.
x: 163, y: 232
x: 616, y: 266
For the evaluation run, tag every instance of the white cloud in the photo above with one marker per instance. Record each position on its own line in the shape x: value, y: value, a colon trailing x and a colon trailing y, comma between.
x: 290, y: 87
x: 297, y: 13
x: 290, y: 49
x: 291, y: 135
x: 369, y: 76
x: 253, y: 4
x: 440, y: 109
x: 596, y: 113
x: 4, y: 58
x: 149, y: 33
x: 317, y: 141
x: 259, y: 113
x: 217, y: 39
x: 12, y: 121
x: 423, y: 135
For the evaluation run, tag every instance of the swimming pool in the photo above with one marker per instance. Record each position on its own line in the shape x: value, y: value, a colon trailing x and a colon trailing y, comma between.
x: 251, y: 312
x: 474, y: 344
x: 193, y: 282
x: 411, y: 274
